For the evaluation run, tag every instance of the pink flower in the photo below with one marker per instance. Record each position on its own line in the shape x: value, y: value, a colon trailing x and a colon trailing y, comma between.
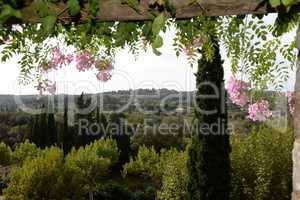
x: 237, y: 91
x: 51, y: 88
x: 46, y: 85
x: 259, y: 111
x: 103, y: 76
x: 291, y: 101
x: 84, y: 60
x: 40, y: 87
x: 57, y: 59
x: 69, y: 58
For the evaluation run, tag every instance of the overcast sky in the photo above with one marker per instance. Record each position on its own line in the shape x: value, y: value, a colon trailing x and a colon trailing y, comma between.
x: 148, y: 71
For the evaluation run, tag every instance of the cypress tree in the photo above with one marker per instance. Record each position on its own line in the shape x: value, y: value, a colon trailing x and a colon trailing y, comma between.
x: 122, y: 138
x: 65, y: 134
x: 35, y: 136
x: 209, y: 161
x: 43, y: 130
x: 51, y: 130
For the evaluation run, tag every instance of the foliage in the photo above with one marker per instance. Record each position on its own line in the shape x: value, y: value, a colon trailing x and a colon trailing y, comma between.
x: 25, y: 151
x: 245, y: 38
x: 253, y: 51
x: 209, y: 162
x: 37, y: 178
x: 146, y: 163
x: 113, y: 192
x: 121, y: 135
x: 90, y: 164
x: 116, y: 191
x: 5, y: 154
x: 262, y: 164
x: 174, y: 178
x: 167, y: 169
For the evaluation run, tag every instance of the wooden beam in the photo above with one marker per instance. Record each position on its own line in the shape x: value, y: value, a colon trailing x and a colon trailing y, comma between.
x: 115, y: 10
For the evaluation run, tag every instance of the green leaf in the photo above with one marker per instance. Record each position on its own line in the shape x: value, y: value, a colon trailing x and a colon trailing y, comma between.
x: 74, y: 7
x: 156, y: 52
x: 158, y: 42
x: 8, y: 12
x: 93, y: 8
x: 158, y: 23
x: 49, y: 23
x: 41, y: 8
x: 287, y: 3
x: 274, y: 3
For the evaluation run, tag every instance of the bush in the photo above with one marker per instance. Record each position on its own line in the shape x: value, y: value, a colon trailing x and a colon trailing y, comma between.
x: 25, y: 151
x: 3, y: 185
x: 113, y: 192
x: 37, y: 178
x: 167, y: 169
x: 5, y: 154
x: 88, y: 166
x: 174, y: 178
x: 262, y: 165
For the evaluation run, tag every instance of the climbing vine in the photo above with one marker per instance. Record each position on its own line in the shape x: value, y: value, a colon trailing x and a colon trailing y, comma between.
x: 54, y: 43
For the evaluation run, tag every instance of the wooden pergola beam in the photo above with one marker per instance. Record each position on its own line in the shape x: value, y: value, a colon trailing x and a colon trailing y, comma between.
x: 117, y: 10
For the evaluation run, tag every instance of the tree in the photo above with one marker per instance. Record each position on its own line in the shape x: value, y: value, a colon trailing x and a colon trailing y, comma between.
x: 209, y: 163
x: 166, y: 169
x: 36, y: 136
x: 90, y: 164
x: 5, y: 154
x: 51, y: 132
x: 25, y: 151
x: 37, y: 178
x: 119, y: 132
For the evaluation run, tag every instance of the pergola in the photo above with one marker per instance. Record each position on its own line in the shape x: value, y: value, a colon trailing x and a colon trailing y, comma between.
x: 117, y: 10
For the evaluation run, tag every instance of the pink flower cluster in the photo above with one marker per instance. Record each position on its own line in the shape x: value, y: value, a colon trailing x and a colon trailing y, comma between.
x: 237, y: 90
x: 190, y: 50
x: 259, y: 111
x: 105, y: 67
x: 46, y: 85
x: 85, y: 60
x: 291, y: 101
x: 58, y: 59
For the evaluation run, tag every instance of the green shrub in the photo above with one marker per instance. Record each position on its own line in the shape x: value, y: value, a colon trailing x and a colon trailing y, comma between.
x: 88, y: 166
x: 167, y: 169
x: 25, y: 151
x: 5, y: 154
x: 37, y: 178
x: 113, y: 192
x: 262, y: 164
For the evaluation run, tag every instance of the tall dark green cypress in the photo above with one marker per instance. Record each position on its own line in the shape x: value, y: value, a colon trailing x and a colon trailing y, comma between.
x: 51, y: 130
x: 36, y: 136
x: 43, y: 130
x: 66, y: 134
x: 209, y: 161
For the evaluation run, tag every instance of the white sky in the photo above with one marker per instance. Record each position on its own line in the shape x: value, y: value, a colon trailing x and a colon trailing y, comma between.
x: 148, y: 71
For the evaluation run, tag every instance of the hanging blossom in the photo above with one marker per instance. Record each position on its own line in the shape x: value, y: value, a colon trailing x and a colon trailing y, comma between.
x: 189, y: 50
x: 85, y: 60
x: 237, y: 90
x: 104, y: 69
x: 58, y: 60
x: 291, y: 101
x: 46, y: 86
x: 259, y: 111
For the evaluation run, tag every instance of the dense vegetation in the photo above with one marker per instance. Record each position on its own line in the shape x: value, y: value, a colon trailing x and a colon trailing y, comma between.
x: 261, y: 169
x: 153, y: 165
